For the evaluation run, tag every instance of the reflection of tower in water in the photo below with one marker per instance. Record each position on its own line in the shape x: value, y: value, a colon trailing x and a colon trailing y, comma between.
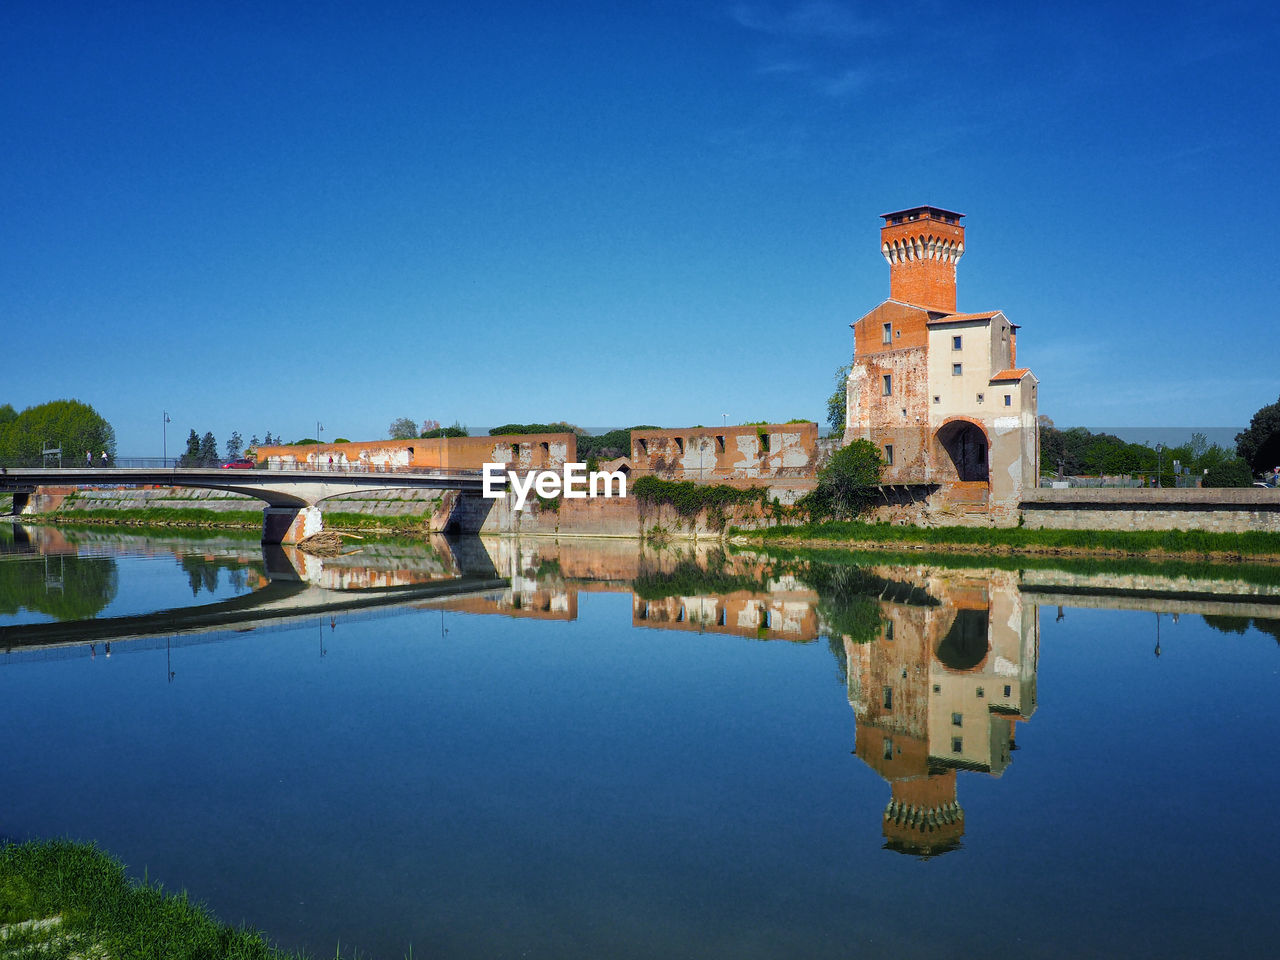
x: 938, y: 691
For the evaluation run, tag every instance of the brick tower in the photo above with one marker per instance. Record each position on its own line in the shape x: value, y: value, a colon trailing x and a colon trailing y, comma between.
x: 922, y: 245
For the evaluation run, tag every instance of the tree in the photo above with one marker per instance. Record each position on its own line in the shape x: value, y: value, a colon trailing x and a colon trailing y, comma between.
x: 69, y: 424
x: 208, y: 455
x: 191, y: 457
x: 1260, y: 443
x: 847, y: 484
x: 235, y: 444
x: 457, y: 430
x: 1229, y: 473
x: 402, y: 429
x: 836, y: 413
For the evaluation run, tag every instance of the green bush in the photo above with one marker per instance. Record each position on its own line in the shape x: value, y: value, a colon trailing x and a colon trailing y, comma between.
x: 1229, y: 473
x: 688, y: 499
x: 847, y: 485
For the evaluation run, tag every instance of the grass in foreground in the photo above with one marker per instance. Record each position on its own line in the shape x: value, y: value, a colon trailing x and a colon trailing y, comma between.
x: 1198, y: 542
x: 102, y: 914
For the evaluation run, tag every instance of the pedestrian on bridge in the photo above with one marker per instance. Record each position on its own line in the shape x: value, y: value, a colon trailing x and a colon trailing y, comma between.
x: 88, y: 458
x: 104, y: 458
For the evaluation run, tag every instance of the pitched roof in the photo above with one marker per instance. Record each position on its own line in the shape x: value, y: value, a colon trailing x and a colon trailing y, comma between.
x: 962, y: 317
x: 1015, y: 373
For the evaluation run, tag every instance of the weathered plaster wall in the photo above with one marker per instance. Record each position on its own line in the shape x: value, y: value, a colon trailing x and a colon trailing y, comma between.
x: 523, y: 452
x: 727, y: 453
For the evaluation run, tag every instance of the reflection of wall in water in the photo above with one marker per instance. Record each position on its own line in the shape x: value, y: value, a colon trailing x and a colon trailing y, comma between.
x: 786, y: 612
x: 941, y: 690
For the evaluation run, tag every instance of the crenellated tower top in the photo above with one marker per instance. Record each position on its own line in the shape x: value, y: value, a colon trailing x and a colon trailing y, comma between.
x: 922, y: 245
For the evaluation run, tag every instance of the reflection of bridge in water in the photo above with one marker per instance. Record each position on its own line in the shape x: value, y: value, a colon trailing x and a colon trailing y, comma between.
x: 299, y: 588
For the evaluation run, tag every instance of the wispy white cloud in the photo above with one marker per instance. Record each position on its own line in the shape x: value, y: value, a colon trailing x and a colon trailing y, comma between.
x: 809, y: 20
x: 848, y: 82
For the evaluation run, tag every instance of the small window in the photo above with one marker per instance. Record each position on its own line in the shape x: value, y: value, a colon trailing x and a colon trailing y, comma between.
x: 888, y: 385
x: 937, y: 399
x: 888, y: 698
x: 643, y: 612
x: 515, y: 450
x: 1008, y: 400
x: 937, y: 688
x: 956, y: 370
x: 680, y: 445
x: 888, y: 748
x: 888, y: 454
x: 955, y: 343
x: 1008, y: 690
x: 957, y: 744
x: 680, y: 614
x: 979, y: 398
x: 546, y: 449
x: 957, y: 720
x: 642, y: 448
x: 719, y: 444
x: 981, y: 693
x: 722, y: 617
x: 888, y: 333
x: 888, y: 629
x: 764, y: 443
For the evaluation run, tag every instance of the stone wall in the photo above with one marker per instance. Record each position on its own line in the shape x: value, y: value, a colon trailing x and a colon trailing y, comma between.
x: 1224, y: 510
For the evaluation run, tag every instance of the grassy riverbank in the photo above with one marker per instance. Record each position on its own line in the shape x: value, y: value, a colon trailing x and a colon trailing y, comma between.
x: 62, y: 899
x: 1084, y: 564
x: 1255, y: 546
x: 202, y: 518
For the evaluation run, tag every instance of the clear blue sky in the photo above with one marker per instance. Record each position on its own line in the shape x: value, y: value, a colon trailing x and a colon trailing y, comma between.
x: 260, y: 215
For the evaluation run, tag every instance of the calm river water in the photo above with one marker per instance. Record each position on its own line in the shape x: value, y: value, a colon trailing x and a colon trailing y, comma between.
x: 572, y: 750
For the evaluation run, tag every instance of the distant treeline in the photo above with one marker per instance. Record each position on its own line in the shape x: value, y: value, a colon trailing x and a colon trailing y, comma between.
x: 602, y: 446
x: 1080, y: 452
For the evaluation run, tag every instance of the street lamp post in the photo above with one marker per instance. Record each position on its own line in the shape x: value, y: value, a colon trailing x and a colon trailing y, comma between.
x: 1159, y: 463
x: 164, y: 440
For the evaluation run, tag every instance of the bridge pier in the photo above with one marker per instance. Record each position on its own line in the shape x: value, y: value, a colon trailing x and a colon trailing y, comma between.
x: 290, y: 524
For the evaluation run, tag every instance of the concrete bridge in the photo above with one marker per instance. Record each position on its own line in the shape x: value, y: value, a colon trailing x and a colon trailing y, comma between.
x: 291, y: 513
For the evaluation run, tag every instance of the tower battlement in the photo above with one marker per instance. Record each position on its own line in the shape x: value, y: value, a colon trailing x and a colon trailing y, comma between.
x: 922, y: 246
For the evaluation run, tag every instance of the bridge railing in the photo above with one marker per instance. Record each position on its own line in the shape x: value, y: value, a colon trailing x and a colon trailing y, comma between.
x: 366, y: 468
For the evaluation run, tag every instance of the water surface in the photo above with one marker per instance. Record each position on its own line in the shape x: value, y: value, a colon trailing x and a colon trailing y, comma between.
x: 618, y: 754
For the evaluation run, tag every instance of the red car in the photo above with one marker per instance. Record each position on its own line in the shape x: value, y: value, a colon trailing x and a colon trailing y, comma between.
x: 241, y: 463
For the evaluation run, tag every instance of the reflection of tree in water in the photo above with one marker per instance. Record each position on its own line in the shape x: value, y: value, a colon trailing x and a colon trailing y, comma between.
x: 63, y: 587
x: 689, y: 578
x: 201, y: 573
x: 1240, y: 625
x: 849, y: 603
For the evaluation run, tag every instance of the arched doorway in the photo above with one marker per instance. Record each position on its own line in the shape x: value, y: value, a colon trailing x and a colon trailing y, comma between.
x: 962, y: 451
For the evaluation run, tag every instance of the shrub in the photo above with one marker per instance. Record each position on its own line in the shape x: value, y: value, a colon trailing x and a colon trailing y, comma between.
x: 847, y: 485
x: 1229, y: 473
